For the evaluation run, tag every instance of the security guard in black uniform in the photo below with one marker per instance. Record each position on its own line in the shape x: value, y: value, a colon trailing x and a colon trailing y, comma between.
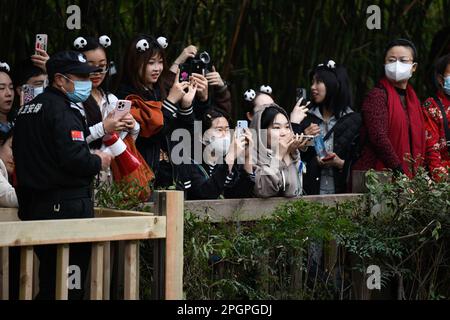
x: 54, y: 166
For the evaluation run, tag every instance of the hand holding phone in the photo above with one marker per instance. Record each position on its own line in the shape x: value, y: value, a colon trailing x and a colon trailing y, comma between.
x: 123, y: 107
x: 301, y: 94
x: 241, y: 125
x: 310, y: 139
x: 41, y: 42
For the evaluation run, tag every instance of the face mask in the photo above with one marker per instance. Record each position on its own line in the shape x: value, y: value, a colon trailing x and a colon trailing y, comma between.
x: 398, y: 71
x: 447, y: 85
x: 81, y: 92
x: 38, y: 91
x: 220, y: 145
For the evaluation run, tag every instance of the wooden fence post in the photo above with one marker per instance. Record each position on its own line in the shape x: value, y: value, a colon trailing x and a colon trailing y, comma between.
x: 62, y: 264
x: 174, y: 245
x: 4, y: 273
x: 26, y: 273
x: 168, y: 253
x: 97, y: 271
x: 131, y: 265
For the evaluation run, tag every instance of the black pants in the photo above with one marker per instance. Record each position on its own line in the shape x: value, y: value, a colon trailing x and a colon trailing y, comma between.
x: 61, y: 204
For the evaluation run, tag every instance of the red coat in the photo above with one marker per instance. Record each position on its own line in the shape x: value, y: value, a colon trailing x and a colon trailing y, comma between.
x: 437, y: 156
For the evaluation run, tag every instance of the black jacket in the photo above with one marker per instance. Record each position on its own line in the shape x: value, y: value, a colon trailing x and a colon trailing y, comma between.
x: 49, y: 146
x: 202, y: 181
x: 346, y: 135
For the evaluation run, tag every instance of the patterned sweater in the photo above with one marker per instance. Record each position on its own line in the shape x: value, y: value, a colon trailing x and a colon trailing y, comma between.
x: 437, y: 156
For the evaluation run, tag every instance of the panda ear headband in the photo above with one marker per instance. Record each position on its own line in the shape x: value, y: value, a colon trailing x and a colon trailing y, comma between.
x: 330, y: 66
x: 144, y: 44
x: 81, y: 43
x: 4, y: 66
x: 250, y: 94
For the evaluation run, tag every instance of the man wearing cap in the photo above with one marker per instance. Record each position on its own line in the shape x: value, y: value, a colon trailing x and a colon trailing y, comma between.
x: 54, y: 166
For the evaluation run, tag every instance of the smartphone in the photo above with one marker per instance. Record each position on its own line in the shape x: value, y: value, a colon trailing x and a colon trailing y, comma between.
x: 185, y: 72
x: 122, y: 108
x: 321, y: 150
x: 310, y: 139
x: 301, y: 93
x: 27, y: 93
x: 41, y: 42
x: 241, y: 125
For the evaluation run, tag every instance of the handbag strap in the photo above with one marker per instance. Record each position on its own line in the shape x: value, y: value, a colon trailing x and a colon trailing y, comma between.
x: 444, y: 118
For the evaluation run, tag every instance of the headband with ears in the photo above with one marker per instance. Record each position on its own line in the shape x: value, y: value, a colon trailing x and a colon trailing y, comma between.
x: 266, y: 89
x: 5, y: 66
x: 249, y: 95
x: 330, y: 65
x: 81, y: 43
x: 143, y: 44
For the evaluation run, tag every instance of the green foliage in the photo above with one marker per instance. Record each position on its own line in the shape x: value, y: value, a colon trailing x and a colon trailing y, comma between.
x: 120, y: 195
x: 400, y: 226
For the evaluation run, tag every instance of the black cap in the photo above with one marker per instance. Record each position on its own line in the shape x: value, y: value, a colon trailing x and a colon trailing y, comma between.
x: 69, y: 62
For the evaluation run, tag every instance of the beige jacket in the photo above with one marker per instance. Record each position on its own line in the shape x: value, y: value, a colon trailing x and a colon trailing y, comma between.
x: 8, y: 198
x: 273, y: 177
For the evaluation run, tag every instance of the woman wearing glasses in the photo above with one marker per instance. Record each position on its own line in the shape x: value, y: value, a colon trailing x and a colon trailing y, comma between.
x: 99, y: 105
x: 393, y: 129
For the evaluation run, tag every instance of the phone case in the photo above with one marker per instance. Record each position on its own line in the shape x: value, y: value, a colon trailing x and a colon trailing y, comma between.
x: 122, y: 108
x: 28, y: 93
x: 241, y: 124
x: 41, y: 42
x: 185, y: 72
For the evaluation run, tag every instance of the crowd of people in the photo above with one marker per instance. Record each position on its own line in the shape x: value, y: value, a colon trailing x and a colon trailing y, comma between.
x: 53, y: 152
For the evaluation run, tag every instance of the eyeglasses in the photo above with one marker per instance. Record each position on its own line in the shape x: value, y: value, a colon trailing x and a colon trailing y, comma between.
x: 402, y: 60
x: 103, y: 69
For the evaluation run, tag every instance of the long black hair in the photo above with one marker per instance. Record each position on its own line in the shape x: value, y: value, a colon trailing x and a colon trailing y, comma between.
x: 337, y: 83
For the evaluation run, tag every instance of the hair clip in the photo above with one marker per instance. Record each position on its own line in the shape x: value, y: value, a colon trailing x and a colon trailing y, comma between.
x: 4, y: 65
x: 266, y: 89
x: 249, y: 95
x: 80, y: 43
x: 105, y: 41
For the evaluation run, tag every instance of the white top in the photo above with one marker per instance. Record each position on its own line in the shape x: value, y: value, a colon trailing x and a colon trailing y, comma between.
x: 97, y: 131
x: 8, y: 197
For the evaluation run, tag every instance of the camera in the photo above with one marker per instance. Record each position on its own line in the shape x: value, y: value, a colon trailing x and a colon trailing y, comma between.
x: 199, y: 64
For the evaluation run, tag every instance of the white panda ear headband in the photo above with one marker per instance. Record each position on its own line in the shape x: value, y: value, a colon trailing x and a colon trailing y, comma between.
x: 143, y: 44
x: 81, y: 43
x: 105, y: 41
x: 266, y: 89
x: 330, y: 64
x: 5, y: 66
x: 249, y: 95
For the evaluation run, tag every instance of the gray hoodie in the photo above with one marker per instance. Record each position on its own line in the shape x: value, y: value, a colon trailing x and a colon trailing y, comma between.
x: 273, y: 177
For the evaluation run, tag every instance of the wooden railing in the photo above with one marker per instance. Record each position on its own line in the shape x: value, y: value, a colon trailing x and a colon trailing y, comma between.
x: 164, y: 227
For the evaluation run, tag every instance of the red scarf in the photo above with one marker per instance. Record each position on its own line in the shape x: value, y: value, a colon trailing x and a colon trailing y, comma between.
x: 398, y: 129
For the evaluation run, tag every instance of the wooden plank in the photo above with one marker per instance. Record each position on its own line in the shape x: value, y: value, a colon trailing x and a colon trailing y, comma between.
x: 26, y: 273
x: 8, y: 214
x: 174, y: 245
x: 26, y: 233
x: 62, y: 266
x: 112, y: 213
x: 4, y: 273
x: 131, y: 282
x: 159, y: 250
x: 253, y: 209
x: 106, y: 270
x: 97, y: 257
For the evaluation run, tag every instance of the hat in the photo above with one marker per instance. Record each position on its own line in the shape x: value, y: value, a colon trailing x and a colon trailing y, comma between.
x: 70, y: 62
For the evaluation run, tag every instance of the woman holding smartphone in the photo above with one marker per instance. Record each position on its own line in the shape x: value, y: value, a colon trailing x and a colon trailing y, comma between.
x: 99, y: 107
x: 226, y: 169
x: 333, y: 122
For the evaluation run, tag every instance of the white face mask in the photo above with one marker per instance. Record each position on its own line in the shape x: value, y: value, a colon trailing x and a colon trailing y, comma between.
x: 398, y: 71
x: 220, y: 145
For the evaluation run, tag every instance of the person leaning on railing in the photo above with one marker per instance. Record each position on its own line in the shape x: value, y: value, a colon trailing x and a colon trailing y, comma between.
x: 54, y: 165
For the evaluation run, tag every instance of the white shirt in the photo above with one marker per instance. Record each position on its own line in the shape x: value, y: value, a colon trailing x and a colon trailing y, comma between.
x: 106, y: 106
x: 8, y: 197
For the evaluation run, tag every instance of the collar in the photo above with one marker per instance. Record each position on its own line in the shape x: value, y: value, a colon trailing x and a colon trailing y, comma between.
x: 316, y: 112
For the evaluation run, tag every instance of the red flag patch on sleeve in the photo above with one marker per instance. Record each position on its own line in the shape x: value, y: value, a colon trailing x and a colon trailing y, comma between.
x: 77, y: 135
